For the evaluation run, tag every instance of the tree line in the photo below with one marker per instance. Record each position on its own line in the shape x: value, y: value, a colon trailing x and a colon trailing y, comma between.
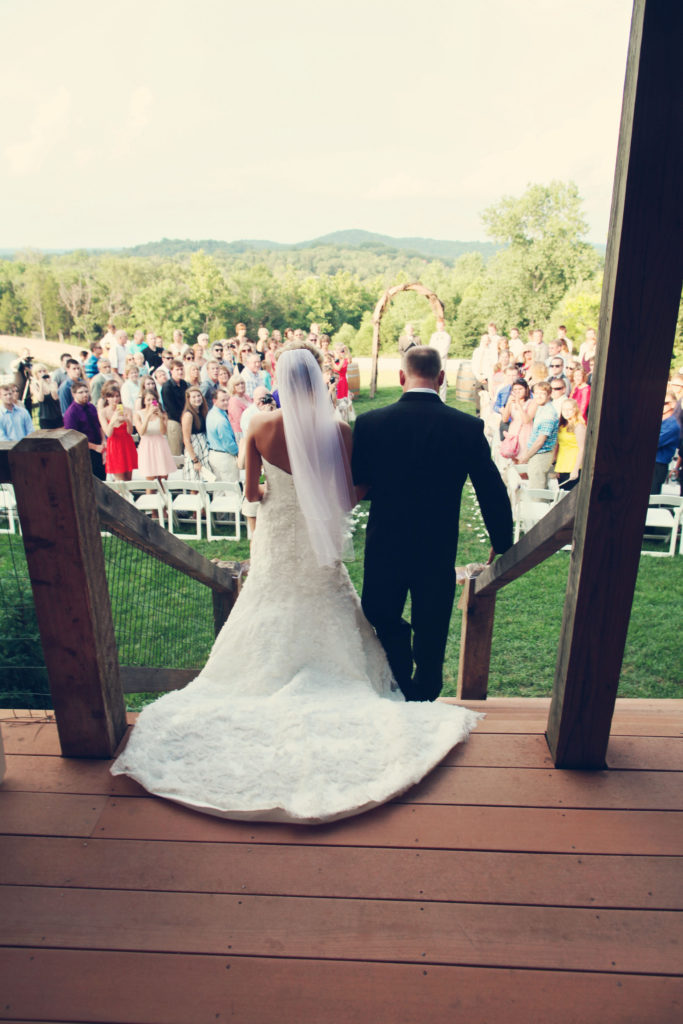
x: 543, y: 273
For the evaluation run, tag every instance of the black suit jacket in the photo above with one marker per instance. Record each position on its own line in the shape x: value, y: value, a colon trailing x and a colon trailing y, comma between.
x: 415, y: 456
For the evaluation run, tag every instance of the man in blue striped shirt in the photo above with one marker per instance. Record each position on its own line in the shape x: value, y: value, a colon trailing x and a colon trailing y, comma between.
x: 221, y: 438
x: 538, y: 457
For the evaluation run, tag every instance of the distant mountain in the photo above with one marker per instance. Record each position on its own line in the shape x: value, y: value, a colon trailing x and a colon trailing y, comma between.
x: 425, y: 248
x: 433, y: 248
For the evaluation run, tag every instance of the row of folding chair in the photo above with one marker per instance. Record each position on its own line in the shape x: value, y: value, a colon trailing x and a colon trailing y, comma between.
x: 195, y: 501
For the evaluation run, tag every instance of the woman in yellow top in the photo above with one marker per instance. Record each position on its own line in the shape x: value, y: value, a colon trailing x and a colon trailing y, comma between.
x: 571, y: 440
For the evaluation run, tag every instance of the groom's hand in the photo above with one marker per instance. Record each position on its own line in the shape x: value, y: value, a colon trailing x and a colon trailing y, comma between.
x: 492, y: 555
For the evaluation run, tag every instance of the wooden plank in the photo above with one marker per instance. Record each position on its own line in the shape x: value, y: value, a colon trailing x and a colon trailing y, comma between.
x: 424, y: 932
x: 524, y: 787
x: 542, y: 830
x: 122, y: 518
x: 49, y: 815
x: 154, y: 988
x: 635, y: 753
x: 30, y: 736
x: 143, y: 679
x: 625, y: 882
x: 507, y: 787
x: 640, y: 299
x: 66, y: 565
x: 476, y: 633
x: 547, y: 536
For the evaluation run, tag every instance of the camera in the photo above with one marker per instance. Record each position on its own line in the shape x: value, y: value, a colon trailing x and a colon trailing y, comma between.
x: 267, y: 400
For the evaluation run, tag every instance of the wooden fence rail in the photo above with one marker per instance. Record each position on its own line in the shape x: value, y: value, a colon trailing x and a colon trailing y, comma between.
x: 478, y: 602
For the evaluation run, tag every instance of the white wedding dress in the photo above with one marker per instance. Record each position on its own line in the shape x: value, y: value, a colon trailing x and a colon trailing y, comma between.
x: 295, y: 716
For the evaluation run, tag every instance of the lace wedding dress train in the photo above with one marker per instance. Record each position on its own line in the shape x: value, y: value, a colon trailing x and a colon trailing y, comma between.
x: 295, y: 716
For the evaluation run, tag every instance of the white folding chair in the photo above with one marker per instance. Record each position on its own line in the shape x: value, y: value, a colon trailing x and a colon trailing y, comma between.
x: 185, y: 497
x: 147, y: 495
x: 8, y: 510
x: 532, y: 504
x: 662, y: 522
x: 223, y: 498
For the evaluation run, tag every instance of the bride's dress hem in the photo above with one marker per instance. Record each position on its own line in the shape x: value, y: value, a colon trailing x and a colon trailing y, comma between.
x: 295, y: 717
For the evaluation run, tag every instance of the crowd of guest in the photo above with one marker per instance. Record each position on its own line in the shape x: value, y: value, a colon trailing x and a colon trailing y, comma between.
x: 153, y: 408
x: 534, y: 397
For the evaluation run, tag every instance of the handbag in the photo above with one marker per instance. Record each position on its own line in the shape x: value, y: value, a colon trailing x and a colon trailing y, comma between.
x: 509, y: 446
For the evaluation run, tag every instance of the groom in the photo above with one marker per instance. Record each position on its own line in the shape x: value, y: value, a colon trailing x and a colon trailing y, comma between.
x: 412, y: 459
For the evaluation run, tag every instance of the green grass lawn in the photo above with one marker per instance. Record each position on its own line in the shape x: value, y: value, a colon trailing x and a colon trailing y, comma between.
x: 164, y: 619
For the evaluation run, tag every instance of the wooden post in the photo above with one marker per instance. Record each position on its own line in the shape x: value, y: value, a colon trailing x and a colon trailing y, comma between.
x: 53, y: 483
x: 640, y: 299
x: 478, y: 614
x: 223, y: 601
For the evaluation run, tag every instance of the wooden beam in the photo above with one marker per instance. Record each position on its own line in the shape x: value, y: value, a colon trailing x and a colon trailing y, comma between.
x: 122, y: 518
x: 640, y: 300
x: 475, y: 642
x: 546, y: 537
x: 53, y: 483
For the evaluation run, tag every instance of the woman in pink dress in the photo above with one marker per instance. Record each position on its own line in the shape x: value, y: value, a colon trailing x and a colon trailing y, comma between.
x: 518, y: 413
x: 582, y: 390
x: 117, y: 424
x: 154, y: 455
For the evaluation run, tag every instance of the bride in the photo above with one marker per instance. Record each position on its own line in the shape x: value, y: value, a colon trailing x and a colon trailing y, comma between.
x: 295, y: 716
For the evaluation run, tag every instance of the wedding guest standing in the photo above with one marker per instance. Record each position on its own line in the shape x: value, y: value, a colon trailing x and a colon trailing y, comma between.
x: 221, y: 439
x: 82, y: 416
x: 45, y: 395
x: 117, y: 424
x: 154, y: 456
x: 173, y: 398
x: 441, y: 341
x: 74, y: 371
x: 195, y: 443
x: 15, y: 422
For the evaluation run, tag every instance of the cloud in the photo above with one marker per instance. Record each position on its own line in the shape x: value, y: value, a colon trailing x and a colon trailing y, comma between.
x: 48, y: 129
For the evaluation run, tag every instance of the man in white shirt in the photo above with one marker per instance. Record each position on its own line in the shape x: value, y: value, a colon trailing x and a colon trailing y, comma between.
x: 441, y: 341
x: 252, y: 376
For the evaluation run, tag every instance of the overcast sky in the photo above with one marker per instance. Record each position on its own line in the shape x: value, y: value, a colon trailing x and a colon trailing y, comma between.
x: 125, y: 122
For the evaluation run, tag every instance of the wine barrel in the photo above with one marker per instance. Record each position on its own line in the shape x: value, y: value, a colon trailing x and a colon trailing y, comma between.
x: 353, y: 377
x: 465, y: 382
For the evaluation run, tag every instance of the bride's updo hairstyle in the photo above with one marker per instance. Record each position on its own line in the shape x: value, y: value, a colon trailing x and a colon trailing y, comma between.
x: 296, y: 344
x: 317, y: 453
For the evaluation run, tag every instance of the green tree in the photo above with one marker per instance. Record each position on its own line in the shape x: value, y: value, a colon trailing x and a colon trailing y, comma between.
x: 545, y: 253
x: 163, y: 306
x: 41, y: 296
x: 12, y: 306
x: 578, y: 310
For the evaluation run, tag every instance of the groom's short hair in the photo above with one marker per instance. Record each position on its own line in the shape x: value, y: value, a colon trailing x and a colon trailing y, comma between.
x: 422, y: 361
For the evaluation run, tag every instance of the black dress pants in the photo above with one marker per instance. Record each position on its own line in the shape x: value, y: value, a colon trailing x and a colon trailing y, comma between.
x: 387, y: 582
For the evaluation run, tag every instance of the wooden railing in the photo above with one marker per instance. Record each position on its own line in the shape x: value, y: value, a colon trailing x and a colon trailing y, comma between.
x: 478, y: 601
x: 62, y: 508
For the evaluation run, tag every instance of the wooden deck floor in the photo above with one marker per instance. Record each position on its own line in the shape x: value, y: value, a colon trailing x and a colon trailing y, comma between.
x: 499, y: 889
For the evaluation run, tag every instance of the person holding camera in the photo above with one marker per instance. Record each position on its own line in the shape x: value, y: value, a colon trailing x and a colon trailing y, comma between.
x: 155, y: 460
x: 45, y: 397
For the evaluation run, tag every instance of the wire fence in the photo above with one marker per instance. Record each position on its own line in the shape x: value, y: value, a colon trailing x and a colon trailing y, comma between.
x: 23, y: 676
x: 162, y: 618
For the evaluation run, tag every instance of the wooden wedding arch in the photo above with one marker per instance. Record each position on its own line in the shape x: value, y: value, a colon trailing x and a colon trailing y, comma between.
x: 414, y: 286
